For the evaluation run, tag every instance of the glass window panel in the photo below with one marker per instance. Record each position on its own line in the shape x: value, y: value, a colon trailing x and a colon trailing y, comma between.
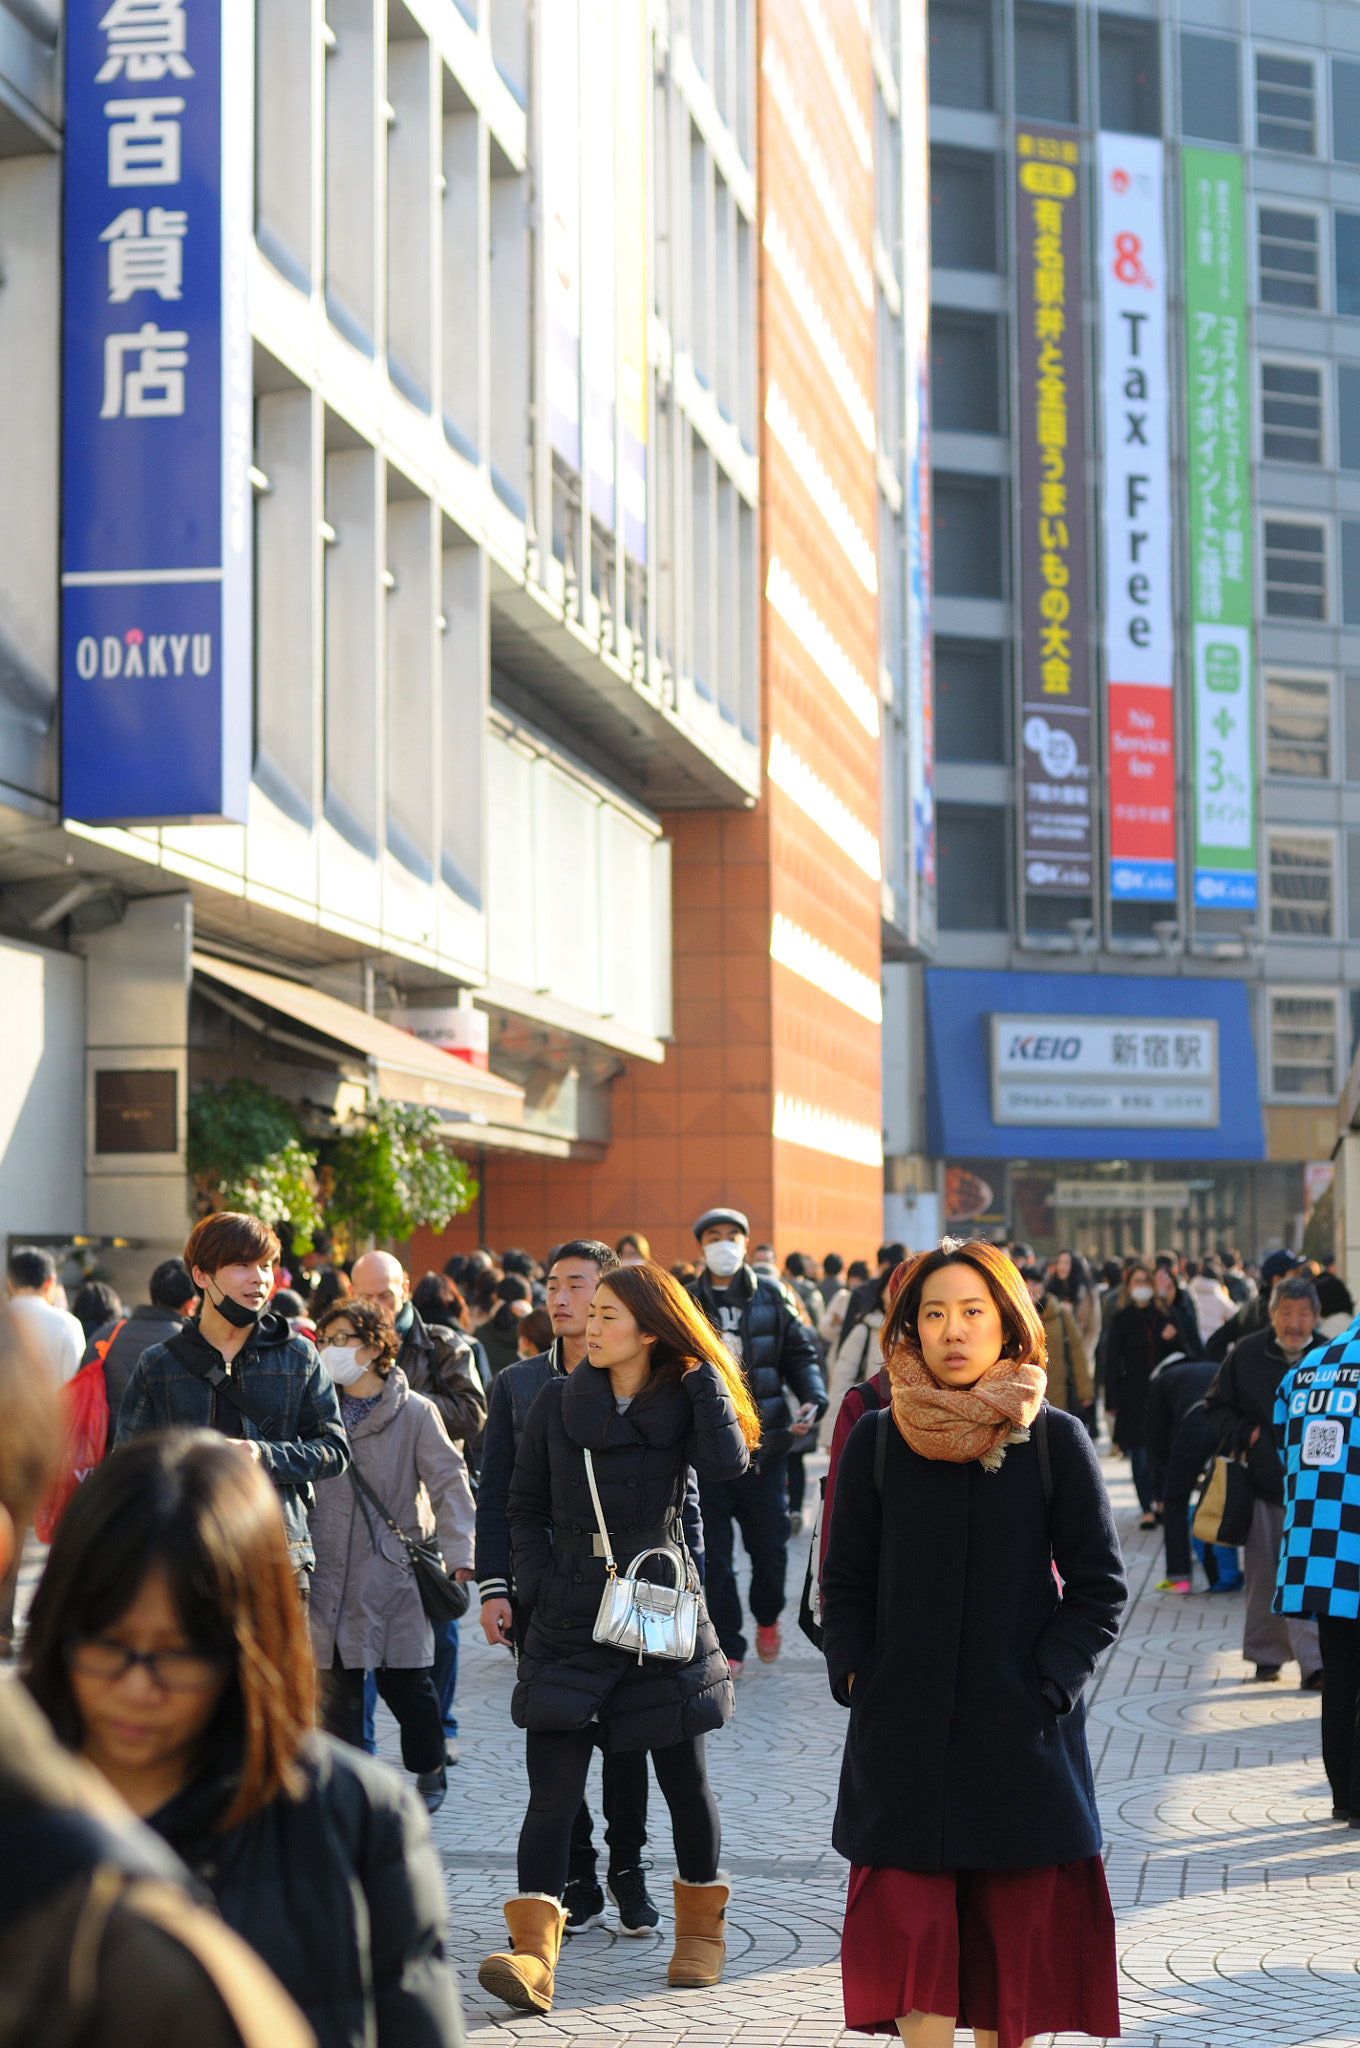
x: 1346, y: 241
x: 1301, y: 885
x: 1299, y: 726
x: 971, y: 849
x: 1210, y: 101
x: 1286, y: 111
x: 963, y: 212
x: 1303, y: 1045
x: 970, y: 700
x: 1291, y: 413
x: 1288, y: 253
x: 1045, y: 62
x: 1296, y: 571
x: 961, y: 54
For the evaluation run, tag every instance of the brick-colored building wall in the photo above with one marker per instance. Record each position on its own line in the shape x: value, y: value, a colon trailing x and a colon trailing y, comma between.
x: 751, y: 1034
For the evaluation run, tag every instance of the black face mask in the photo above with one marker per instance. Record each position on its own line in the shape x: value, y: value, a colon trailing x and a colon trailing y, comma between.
x: 232, y: 1312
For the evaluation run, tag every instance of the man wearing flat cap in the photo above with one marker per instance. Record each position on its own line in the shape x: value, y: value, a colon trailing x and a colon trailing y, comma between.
x: 759, y: 1327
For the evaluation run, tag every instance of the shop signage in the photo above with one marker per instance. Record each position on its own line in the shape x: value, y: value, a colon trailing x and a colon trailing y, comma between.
x: 156, y: 412
x: 1128, y: 1194
x: 1054, y: 681
x: 1104, y: 1070
x: 1139, y: 639
x: 1218, y: 452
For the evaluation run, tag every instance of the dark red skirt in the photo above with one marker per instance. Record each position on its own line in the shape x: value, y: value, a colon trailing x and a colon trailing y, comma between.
x: 1018, y: 1952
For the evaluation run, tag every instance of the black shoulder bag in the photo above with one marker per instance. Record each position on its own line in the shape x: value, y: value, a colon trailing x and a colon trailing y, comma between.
x: 443, y: 1598
x: 222, y: 1383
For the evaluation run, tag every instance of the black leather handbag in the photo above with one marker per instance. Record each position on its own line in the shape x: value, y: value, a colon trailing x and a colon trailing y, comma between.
x: 443, y: 1598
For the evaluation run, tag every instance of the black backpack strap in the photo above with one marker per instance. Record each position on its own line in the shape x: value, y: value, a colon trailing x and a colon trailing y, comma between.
x: 221, y: 1383
x: 882, y: 1424
x: 1040, y: 1435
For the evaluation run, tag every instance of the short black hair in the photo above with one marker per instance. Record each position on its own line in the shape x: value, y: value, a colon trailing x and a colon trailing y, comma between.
x: 514, y: 1287
x: 797, y: 1265
x: 891, y: 1254
x: 515, y: 1261
x: 171, y: 1285
x: 30, y: 1266
x: 832, y: 1264
x: 588, y: 1248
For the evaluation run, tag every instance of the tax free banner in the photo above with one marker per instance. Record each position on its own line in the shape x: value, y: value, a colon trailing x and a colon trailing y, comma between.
x: 156, y: 411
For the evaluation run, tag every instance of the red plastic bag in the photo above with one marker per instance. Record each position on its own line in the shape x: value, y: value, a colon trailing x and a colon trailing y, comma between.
x: 86, y: 1400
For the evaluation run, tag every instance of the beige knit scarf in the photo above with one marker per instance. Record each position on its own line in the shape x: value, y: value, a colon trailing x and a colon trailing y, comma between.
x: 958, y: 1424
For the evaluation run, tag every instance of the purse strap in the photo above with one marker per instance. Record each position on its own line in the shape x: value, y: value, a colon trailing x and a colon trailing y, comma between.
x: 610, y: 1565
x: 357, y: 1480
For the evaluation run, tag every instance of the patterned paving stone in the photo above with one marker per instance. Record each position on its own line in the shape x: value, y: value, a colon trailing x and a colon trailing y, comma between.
x: 1237, y: 1899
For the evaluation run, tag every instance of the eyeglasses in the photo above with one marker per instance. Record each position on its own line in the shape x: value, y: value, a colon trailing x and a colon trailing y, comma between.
x: 169, y: 1670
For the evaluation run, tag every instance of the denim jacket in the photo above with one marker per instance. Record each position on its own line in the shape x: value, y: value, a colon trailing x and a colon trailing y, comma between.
x: 282, y: 1377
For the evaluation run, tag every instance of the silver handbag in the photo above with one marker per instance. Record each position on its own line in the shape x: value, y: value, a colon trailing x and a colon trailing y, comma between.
x: 636, y: 1614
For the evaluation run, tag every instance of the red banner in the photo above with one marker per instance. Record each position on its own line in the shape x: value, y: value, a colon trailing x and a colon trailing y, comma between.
x: 1142, y: 783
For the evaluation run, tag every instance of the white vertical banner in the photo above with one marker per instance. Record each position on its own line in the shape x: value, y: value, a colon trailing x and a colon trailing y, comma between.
x: 915, y: 130
x: 599, y: 337
x: 1139, y: 640
x: 560, y: 173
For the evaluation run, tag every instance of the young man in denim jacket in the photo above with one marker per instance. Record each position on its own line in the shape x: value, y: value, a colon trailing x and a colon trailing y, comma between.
x: 238, y: 1369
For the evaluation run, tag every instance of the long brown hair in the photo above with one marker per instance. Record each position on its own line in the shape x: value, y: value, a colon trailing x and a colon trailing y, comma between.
x: 189, y: 1503
x: 1021, y: 1325
x: 684, y: 1336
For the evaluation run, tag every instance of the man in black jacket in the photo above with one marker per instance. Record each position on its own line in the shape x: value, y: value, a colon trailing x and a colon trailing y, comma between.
x: 776, y: 1352
x: 1240, y: 1408
x: 174, y: 1299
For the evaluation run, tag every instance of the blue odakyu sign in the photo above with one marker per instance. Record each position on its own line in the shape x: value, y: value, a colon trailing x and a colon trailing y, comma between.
x: 1087, y: 1066
x: 156, y: 411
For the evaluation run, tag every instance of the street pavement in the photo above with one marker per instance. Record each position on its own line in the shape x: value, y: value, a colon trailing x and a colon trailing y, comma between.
x: 1237, y: 1899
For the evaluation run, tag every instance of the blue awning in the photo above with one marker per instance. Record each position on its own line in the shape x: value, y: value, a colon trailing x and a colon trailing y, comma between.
x: 959, y: 1009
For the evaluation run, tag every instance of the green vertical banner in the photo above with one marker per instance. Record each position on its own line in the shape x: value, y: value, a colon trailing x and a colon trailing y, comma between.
x: 1218, y: 443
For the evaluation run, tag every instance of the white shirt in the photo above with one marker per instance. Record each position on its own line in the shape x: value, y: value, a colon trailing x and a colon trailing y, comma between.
x: 56, y: 1334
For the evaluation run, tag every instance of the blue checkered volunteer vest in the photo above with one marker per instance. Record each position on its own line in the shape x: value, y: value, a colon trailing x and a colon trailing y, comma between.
x: 1317, y: 1420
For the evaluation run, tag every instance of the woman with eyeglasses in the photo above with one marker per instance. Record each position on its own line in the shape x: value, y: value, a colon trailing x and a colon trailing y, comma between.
x: 167, y: 1645
x: 366, y: 1611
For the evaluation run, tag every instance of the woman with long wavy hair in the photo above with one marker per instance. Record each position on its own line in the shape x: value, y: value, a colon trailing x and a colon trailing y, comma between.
x: 656, y: 1394
x: 977, y: 1895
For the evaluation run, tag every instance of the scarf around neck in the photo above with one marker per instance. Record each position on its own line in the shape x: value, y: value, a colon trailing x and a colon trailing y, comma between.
x: 958, y: 1424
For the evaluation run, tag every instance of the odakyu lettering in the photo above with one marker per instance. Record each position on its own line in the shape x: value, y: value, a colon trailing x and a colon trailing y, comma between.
x: 144, y: 654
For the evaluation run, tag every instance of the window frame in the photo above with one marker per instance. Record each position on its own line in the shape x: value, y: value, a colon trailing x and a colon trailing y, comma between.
x: 1314, y: 992
x: 1321, y: 138
x: 1288, y: 515
x: 1282, y: 359
x: 1290, y: 672
x: 1324, y: 835
x: 1322, y: 216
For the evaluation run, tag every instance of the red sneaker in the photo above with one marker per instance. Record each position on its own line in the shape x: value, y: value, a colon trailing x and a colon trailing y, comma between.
x: 768, y: 1643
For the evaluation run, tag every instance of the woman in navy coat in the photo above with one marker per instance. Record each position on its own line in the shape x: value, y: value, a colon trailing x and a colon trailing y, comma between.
x: 967, y: 1809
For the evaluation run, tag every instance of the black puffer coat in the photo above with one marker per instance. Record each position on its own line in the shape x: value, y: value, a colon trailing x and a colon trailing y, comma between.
x: 641, y: 1460
x: 340, y: 1891
x: 777, y: 1351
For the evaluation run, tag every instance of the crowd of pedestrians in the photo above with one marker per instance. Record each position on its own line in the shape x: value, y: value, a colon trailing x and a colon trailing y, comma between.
x: 299, y: 1474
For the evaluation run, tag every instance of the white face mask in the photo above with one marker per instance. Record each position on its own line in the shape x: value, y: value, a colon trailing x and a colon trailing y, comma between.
x: 1142, y: 1295
x: 725, y: 1257
x: 342, y: 1363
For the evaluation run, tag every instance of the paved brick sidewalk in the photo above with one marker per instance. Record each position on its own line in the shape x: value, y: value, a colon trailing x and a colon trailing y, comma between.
x: 1238, y: 1901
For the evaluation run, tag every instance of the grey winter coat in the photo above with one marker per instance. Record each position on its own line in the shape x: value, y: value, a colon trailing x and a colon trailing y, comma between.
x: 364, y: 1596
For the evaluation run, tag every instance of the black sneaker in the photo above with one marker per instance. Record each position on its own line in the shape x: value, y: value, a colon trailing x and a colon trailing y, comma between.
x: 584, y: 1902
x: 1267, y: 1674
x: 637, y: 1909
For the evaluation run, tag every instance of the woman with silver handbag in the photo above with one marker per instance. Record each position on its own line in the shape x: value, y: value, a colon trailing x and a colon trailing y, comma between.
x: 619, y: 1648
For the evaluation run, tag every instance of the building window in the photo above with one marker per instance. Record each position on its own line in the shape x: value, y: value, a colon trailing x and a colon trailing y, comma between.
x: 967, y: 536
x: 1303, y: 1044
x: 1288, y: 258
x: 1353, y: 890
x: 1350, y: 572
x: 961, y: 53
x: 1302, y: 885
x: 970, y: 701
x: 1346, y: 242
x: 971, y: 848
x: 965, y: 373
x: 1210, y: 96
x: 1350, y: 686
x: 1345, y: 111
x: 1296, y: 570
x: 1299, y: 726
x: 1286, y: 104
x: 963, y: 210
x: 1348, y: 416
x: 1291, y: 413
x: 1045, y: 61
x: 1130, y: 76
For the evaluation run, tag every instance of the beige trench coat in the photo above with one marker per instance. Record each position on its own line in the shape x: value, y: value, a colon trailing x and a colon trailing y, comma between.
x: 364, y: 1599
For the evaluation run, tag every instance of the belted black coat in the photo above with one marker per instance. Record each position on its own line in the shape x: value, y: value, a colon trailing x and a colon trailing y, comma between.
x: 641, y: 1461
x: 940, y: 1599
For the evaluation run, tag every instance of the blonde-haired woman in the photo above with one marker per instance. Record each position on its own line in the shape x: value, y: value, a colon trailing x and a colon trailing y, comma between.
x: 977, y: 1894
x: 656, y: 1393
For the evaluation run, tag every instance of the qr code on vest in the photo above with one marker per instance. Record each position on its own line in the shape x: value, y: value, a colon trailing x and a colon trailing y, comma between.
x: 1323, y: 1443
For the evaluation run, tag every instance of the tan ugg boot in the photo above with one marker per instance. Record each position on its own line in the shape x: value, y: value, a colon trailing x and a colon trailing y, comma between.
x: 700, y: 1949
x: 524, y: 1977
